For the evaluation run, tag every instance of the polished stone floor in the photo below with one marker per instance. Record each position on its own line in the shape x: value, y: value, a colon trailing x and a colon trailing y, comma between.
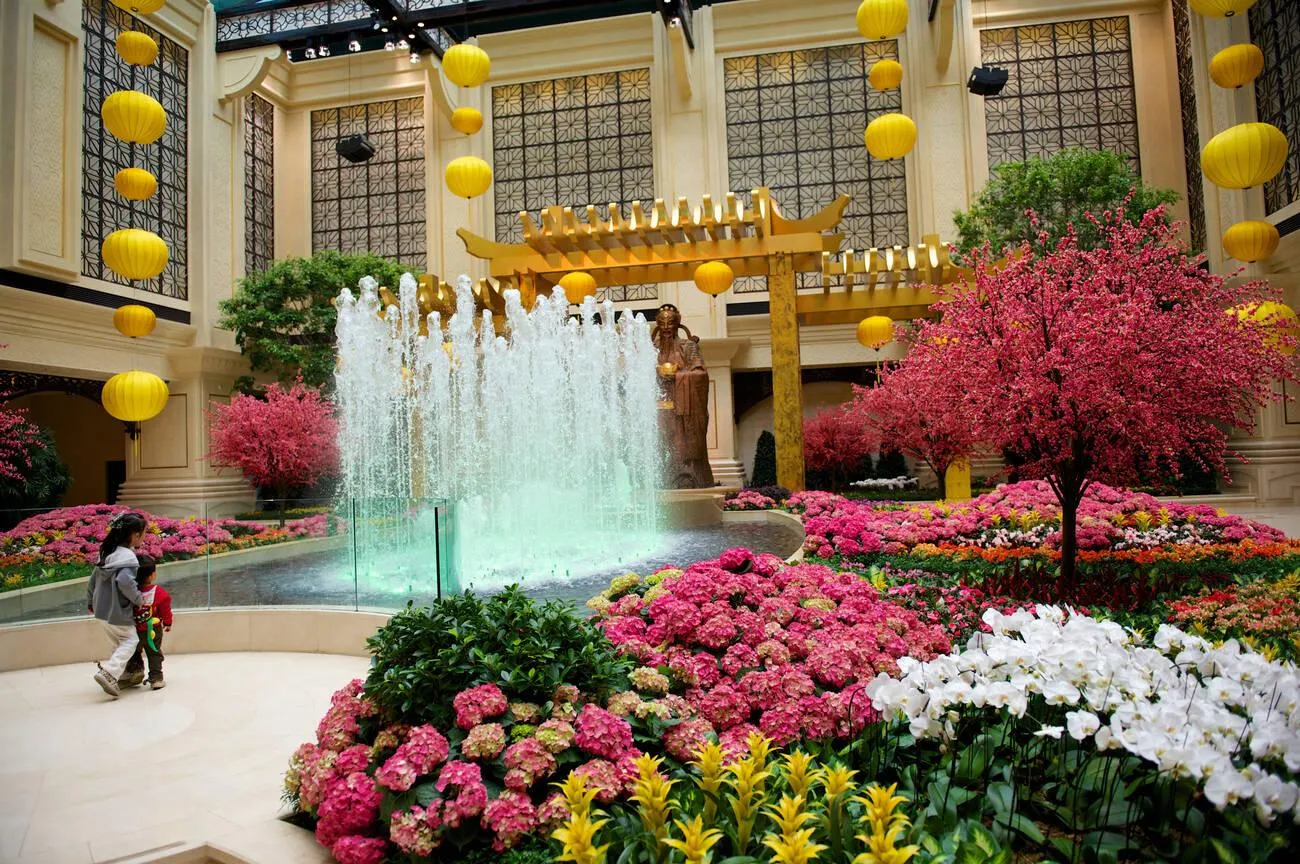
x: 84, y: 779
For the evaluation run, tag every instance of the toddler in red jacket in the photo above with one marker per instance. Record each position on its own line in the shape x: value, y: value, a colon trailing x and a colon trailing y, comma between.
x: 152, y: 618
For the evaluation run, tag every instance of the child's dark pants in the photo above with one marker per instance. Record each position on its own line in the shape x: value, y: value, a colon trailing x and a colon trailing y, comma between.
x: 136, y: 664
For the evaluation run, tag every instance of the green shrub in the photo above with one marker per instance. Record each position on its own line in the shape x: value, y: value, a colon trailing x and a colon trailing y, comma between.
x: 423, y: 657
x: 43, y: 486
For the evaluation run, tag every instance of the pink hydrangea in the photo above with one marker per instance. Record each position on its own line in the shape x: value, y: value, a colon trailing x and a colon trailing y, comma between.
x: 602, y: 733
x: 463, y: 792
x: 355, y: 758
x: 603, y: 777
x: 397, y: 773
x: 484, y: 742
x: 412, y: 832
x: 566, y: 693
x: 477, y: 704
x: 684, y: 740
x: 525, y: 712
x: 359, y: 850
x: 351, y: 806
x: 556, y: 735
x: 649, y: 680
x: 510, y: 818
x: 530, y: 757
x: 552, y: 813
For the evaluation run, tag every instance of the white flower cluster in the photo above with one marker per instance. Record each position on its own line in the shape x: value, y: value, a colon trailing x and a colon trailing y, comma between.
x: 1013, y: 538
x: 1226, y: 718
x: 891, y: 483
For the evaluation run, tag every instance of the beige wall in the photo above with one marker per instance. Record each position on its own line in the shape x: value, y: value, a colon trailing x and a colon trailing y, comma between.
x: 86, y: 438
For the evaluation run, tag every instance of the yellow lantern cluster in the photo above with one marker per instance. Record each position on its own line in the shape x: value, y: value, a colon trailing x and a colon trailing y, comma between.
x: 889, y: 136
x: 1251, y: 240
x: 467, y: 66
x: 133, y: 253
x: 885, y: 75
x: 1221, y: 8
x: 1279, y: 318
x: 876, y: 332
x: 882, y: 19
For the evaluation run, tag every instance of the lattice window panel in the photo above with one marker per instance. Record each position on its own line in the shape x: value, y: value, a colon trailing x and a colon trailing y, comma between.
x: 794, y: 123
x: 376, y: 206
x: 259, y: 183
x: 573, y: 142
x: 102, y: 155
x: 1071, y: 86
x: 1191, y: 131
x: 1275, y: 28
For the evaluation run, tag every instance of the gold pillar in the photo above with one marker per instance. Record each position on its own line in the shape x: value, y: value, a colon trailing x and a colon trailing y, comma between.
x: 787, y: 386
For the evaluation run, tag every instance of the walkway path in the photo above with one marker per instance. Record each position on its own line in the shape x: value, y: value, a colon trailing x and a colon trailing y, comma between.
x: 83, y: 779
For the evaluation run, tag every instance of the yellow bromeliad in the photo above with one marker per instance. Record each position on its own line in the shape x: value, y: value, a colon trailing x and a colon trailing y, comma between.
x: 884, y: 848
x: 577, y: 797
x: 746, y: 782
x: 885, y: 823
x: 708, y: 761
x: 799, y: 849
x: 578, y: 837
x: 799, y: 773
x: 696, y: 840
x: 651, y: 795
x: 789, y: 816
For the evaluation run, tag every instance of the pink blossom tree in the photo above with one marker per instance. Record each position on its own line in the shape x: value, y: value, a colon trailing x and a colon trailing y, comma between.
x: 1096, y: 365
x: 285, y: 441
x: 836, y: 441
x: 913, y: 409
x: 18, y: 438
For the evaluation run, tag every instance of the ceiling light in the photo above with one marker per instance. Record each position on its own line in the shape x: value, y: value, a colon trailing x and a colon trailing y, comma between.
x: 383, y: 29
x: 403, y: 44
x: 324, y: 51
x: 419, y: 24
x: 388, y: 46
x: 415, y: 58
x: 410, y: 35
x: 354, y: 46
x: 310, y: 53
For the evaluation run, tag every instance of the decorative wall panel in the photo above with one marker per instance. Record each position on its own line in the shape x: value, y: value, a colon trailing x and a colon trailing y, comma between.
x: 1191, y: 133
x: 573, y: 142
x: 259, y: 183
x: 375, y: 206
x: 103, y: 210
x: 1071, y: 86
x: 1275, y: 28
x: 794, y: 123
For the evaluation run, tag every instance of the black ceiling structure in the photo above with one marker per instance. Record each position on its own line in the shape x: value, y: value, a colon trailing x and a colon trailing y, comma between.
x: 303, y: 27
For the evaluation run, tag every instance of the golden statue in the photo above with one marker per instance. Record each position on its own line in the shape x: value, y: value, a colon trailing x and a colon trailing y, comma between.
x: 683, y: 402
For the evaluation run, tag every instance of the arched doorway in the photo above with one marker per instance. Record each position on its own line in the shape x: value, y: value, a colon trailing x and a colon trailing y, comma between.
x: 89, y: 441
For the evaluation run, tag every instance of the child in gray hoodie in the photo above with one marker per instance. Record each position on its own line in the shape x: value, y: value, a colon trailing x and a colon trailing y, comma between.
x: 112, y: 595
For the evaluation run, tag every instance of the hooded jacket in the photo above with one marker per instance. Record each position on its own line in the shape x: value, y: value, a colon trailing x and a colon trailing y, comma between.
x: 111, y: 593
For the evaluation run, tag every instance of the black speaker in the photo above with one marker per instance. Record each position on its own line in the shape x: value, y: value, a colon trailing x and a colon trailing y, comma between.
x: 355, y: 148
x: 987, y: 80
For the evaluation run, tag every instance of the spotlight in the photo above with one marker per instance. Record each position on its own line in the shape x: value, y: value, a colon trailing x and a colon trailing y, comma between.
x: 415, y: 58
x: 324, y: 51
x: 403, y: 44
x: 374, y: 26
x: 410, y: 36
x: 987, y: 80
x: 310, y: 53
x: 394, y: 17
x: 419, y: 24
x: 388, y: 46
x: 383, y: 29
x: 354, y: 46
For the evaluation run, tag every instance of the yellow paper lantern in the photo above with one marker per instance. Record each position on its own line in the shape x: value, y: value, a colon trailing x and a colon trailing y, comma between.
x: 466, y: 65
x: 135, y: 396
x: 467, y: 121
x: 134, y: 320
x: 882, y: 19
x: 1251, y: 240
x: 134, y: 254
x: 134, y: 117
x: 578, y: 285
x: 1221, y: 8
x: 1236, y: 65
x: 890, y: 136
x: 1246, y: 155
x: 1278, y: 317
x: 468, y: 176
x: 139, y: 7
x: 885, y: 74
x: 876, y: 331
x: 714, y: 277
x: 135, y: 184
x: 136, y: 48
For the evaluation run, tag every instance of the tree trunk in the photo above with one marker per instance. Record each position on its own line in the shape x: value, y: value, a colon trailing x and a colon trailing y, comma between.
x: 1069, y: 535
x: 282, y: 493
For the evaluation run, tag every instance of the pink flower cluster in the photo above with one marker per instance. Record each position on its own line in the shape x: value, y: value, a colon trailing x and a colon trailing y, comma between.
x: 1018, y: 515
x: 344, y: 780
x: 781, y: 650
x: 748, y: 499
x: 73, y: 534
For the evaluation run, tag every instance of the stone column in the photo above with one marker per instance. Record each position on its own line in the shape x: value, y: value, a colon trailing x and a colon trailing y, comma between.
x: 718, y: 354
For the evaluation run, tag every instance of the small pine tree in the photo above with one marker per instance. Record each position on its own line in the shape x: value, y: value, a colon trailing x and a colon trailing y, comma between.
x: 764, y: 461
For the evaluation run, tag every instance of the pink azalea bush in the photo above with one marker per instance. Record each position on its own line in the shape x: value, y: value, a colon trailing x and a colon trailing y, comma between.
x: 489, y: 780
x: 71, y: 535
x: 1019, y: 516
x: 750, y: 644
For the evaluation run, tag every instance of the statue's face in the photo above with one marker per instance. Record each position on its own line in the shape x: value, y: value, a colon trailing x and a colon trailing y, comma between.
x: 668, y: 320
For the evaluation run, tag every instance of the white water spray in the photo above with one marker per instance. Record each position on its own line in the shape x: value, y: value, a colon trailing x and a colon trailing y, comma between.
x: 544, y: 441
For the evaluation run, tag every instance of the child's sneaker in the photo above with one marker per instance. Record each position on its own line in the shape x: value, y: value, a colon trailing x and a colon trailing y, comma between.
x: 131, y: 679
x: 107, y: 683
x: 157, y: 683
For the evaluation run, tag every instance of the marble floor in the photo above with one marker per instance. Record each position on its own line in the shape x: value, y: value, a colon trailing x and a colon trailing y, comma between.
x: 84, y: 779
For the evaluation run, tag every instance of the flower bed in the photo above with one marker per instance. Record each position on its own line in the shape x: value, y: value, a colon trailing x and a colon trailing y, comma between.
x: 753, y: 645
x: 58, y: 545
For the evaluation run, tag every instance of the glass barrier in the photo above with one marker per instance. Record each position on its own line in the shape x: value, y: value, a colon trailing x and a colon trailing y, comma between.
x: 350, y: 554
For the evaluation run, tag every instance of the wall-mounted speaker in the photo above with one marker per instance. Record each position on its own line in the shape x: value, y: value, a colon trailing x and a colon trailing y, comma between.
x: 987, y: 80
x: 355, y: 148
